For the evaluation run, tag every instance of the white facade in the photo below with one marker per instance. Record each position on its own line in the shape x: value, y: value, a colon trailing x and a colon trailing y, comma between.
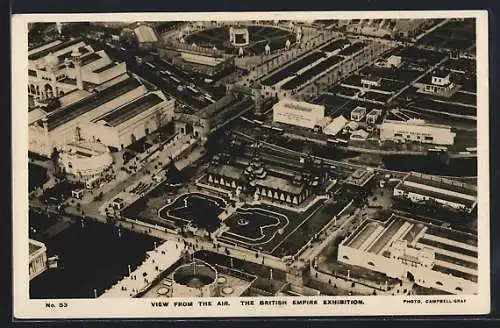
x: 371, y: 82
x: 145, y: 34
x: 394, y: 61
x: 373, y: 115
x: 49, y: 75
x: 37, y: 258
x: 417, y: 131
x: 335, y: 126
x: 42, y: 140
x: 408, y: 258
x: 85, y: 159
x: 420, y: 188
x: 358, y: 114
x: 298, y: 113
x: 441, y: 80
x: 123, y: 134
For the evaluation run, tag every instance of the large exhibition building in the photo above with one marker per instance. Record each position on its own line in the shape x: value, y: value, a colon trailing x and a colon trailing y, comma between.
x: 416, y: 131
x: 298, y: 113
x: 422, y: 188
x: 427, y: 255
x: 79, y: 97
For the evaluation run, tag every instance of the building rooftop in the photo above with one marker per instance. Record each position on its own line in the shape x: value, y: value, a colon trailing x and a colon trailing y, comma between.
x: 41, y: 46
x: 358, y: 110
x: 335, y: 45
x: 227, y: 171
x: 436, y: 193
x: 371, y: 78
x: 455, y: 252
x: 360, y: 177
x: 417, y: 122
x: 130, y: 110
x: 374, y: 112
x: 293, y: 68
x: 352, y: 49
x: 312, y: 72
x: 442, y: 183
x: 55, y: 48
x: 85, y: 105
x: 92, y: 57
x: 273, y: 182
x: 362, y: 235
x: 388, y: 234
x: 35, y: 246
x: 145, y: 33
x: 105, y: 68
x: 217, y: 106
x: 156, y: 262
x: 299, y: 105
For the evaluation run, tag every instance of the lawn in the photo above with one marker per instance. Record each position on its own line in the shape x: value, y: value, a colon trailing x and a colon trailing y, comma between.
x: 301, y: 236
x: 295, y: 219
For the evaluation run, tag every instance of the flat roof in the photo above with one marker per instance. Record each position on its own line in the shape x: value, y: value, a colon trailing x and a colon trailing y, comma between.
x: 448, y: 247
x: 92, y: 57
x: 217, y: 106
x: 313, y: 71
x: 298, y: 105
x: 443, y: 183
x: 83, y: 50
x: 374, y: 112
x: 33, y: 248
x: 85, y: 105
x: 106, y: 67
x: 456, y: 273
x: 352, y: 49
x: 434, y: 194
x: 57, y: 47
x: 335, y: 45
x: 293, y: 68
x: 42, y: 46
x: 386, y: 236
x: 360, y: 177
x: 358, y: 110
x: 130, y: 110
x: 360, y: 237
x: 145, y: 33
x: 452, y: 255
x: 414, y: 232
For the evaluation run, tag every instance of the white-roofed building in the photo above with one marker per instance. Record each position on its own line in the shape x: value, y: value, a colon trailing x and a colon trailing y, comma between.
x: 37, y: 258
x: 426, y: 254
x: 61, y: 67
x: 132, y: 121
x: 146, y: 36
x: 298, y: 113
x: 422, y: 188
x: 360, y: 135
x: 417, y: 131
x: 335, y: 126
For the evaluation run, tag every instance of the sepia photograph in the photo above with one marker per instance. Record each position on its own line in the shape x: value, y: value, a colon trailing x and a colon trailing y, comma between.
x: 250, y: 164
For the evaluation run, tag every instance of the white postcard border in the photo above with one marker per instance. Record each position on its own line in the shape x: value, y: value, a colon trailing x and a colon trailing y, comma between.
x: 25, y: 308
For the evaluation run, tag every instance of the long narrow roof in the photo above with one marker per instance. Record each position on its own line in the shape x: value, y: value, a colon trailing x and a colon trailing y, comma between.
x: 130, y: 110
x: 57, y: 47
x: 87, y: 104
